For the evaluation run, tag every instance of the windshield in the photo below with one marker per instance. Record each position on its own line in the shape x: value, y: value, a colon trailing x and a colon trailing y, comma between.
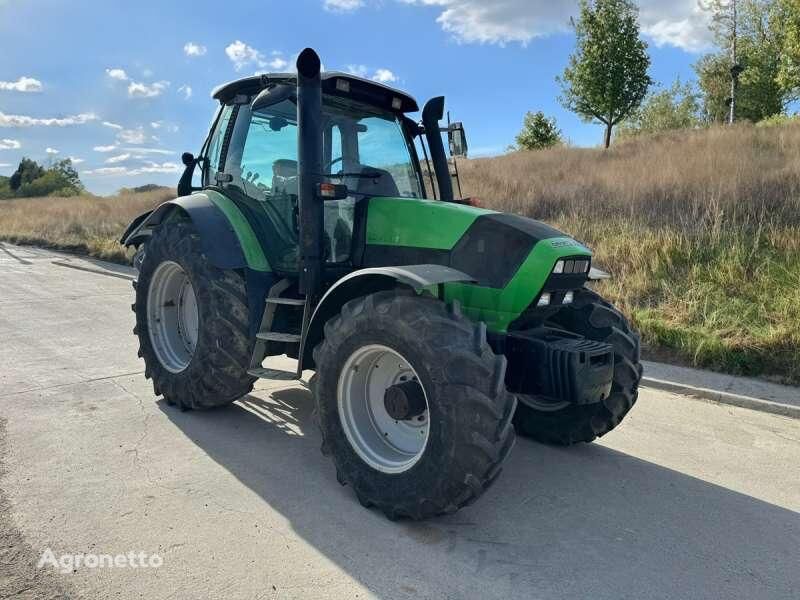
x: 368, y: 149
x: 364, y: 148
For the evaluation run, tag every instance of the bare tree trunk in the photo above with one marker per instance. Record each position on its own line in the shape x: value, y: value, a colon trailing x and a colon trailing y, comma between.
x: 734, y: 66
x: 609, y: 125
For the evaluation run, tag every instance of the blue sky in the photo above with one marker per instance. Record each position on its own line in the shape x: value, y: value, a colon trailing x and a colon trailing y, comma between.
x: 123, y: 87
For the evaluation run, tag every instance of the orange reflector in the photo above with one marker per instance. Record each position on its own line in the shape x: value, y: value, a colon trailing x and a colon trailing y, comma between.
x: 327, y: 190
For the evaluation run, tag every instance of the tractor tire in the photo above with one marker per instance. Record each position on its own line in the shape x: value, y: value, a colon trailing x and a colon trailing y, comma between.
x: 212, y: 371
x: 468, y: 416
x: 595, y: 319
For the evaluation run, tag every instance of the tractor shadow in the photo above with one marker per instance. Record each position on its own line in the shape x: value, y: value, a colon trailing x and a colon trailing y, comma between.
x: 582, y: 522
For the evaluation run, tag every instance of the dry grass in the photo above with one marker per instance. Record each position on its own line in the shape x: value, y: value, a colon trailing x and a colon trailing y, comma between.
x: 700, y: 229
x: 85, y: 224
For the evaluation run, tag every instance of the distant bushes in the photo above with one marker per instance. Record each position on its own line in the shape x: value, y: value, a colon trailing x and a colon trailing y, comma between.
x: 33, y: 180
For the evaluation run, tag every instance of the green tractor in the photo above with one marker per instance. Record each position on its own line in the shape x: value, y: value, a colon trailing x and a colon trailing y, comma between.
x: 435, y: 328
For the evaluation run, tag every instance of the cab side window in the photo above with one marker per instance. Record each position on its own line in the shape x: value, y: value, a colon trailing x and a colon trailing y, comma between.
x: 212, y: 166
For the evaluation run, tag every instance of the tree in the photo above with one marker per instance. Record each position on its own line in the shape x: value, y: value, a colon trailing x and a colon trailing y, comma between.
x: 676, y: 107
x: 68, y: 173
x: 725, y: 25
x: 606, y: 78
x: 538, y: 132
x: 748, y: 88
x: 31, y: 179
x: 27, y: 171
x: 788, y: 13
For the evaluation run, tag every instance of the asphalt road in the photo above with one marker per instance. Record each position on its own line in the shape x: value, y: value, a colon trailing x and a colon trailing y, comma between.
x: 687, y: 499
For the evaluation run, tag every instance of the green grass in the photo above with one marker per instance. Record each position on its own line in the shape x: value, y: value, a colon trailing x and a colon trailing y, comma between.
x: 700, y: 230
x: 730, y: 303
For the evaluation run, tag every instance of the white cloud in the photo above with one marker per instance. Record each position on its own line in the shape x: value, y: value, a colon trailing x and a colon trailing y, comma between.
x: 165, y: 167
x: 118, y: 74
x: 117, y: 159
x: 75, y: 160
x: 132, y: 136
x: 25, y: 121
x: 111, y: 125
x: 186, y: 90
x: 679, y: 23
x: 342, y: 5
x: 241, y: 55
x: 149, y: 167
x: 192, y: 49
x: 379, y: 75
x: 151, y: 151
x: 23, y: 84
x: 278, y: 63
x: 137, y: 89
x: 104, y: 148
x: 106, y: 171
x: 8, y: 144
x: 52, y: 151
x: 384, y: 76
x: 5, y: 165
x: 357, y: 70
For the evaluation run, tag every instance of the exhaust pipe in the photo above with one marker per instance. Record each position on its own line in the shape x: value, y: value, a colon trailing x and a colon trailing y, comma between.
x: 309, y: 170
x: 431, y: 115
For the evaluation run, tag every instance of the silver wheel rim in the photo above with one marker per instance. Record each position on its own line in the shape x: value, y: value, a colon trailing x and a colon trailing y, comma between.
x: 385, y: 444
x: 172, y: 316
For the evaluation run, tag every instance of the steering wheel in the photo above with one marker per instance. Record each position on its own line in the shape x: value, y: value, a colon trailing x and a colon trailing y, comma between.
x: 328, y: 165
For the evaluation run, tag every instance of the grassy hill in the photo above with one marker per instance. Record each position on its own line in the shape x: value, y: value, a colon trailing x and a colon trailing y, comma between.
x: 701, y: 231
x: 86, y: 224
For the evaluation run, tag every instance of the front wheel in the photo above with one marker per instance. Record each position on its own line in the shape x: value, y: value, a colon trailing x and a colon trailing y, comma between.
x: 565, y: 424
x: 412, y: 404
x: 191, y: 321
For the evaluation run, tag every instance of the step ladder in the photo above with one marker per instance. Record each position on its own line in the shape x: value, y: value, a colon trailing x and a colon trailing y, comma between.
x: 278, y: 305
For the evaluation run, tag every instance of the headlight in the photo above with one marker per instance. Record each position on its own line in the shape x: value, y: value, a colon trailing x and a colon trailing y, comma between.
x: 544, y: 299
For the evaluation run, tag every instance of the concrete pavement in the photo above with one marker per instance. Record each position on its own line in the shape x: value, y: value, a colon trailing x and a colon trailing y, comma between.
x: 685, y: 500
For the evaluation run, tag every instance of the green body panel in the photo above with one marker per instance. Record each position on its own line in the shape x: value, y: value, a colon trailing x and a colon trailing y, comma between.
x: 251, y: 247
x: 439, y: 225
x: 418, y: 223
x: 498, y: 308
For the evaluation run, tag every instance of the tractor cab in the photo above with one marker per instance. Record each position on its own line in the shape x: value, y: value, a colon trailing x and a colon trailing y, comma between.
x: 369, y: 149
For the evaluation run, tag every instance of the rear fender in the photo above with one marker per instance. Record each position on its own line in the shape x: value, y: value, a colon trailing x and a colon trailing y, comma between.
x: 365, y: 282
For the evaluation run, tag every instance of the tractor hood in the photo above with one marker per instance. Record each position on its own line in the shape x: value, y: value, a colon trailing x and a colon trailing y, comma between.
x: 510, y: 257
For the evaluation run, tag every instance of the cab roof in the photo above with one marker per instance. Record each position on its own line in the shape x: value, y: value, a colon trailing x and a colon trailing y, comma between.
x: 362, y: 89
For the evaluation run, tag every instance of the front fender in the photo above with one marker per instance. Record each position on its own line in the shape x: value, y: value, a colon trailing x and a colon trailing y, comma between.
x: 365, y: 282
x: 226, y: 237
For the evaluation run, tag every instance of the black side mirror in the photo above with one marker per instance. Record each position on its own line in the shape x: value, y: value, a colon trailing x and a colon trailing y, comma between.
x: 458, y: 139
x: 185, y: 183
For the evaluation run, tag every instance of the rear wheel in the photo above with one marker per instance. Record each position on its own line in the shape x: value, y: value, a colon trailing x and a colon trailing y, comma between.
x: 412, y: 404
x: 563, y: 423
x: 192, y: 322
